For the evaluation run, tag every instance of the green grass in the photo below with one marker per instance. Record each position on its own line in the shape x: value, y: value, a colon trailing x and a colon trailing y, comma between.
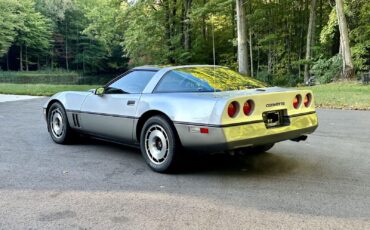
x: 342, y: 95
x: 38, y: 74
x: 40, y: 89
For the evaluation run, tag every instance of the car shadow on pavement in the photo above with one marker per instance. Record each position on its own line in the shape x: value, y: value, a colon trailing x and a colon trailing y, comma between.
x: 266, y: 163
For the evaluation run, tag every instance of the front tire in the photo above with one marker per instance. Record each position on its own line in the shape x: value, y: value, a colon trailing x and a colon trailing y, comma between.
x: 58, y: 125
x: 159, y: 144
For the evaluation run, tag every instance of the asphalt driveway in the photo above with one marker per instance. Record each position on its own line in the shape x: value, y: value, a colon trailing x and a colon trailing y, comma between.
x: 321, y: 183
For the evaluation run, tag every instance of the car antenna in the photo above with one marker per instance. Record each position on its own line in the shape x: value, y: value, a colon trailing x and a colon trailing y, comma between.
x: 214, y: 52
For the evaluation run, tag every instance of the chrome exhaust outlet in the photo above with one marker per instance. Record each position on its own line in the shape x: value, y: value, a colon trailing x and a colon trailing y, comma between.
x: 300, y: 138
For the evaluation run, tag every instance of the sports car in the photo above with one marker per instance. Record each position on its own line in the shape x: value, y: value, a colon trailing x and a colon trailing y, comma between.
x: 166, y: 110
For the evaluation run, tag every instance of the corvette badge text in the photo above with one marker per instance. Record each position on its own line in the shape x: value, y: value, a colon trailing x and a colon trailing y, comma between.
x: 275, y: 104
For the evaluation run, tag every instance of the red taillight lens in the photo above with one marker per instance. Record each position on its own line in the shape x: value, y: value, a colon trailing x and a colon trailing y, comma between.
x: 307, y: 100
x: 297, y: 101
x: 232, y: 109
x: 204, y: 130
x: 248, y: 107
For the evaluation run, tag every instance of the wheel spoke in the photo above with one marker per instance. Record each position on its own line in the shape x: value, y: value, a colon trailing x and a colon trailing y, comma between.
x: 156, y: 144
x: 57, y: 123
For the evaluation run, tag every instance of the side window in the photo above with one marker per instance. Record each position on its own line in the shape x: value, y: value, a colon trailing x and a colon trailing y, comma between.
x: 177, y: 81
x: 133, y: 82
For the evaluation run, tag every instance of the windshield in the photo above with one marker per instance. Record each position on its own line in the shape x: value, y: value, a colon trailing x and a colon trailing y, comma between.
x: 205, y: 79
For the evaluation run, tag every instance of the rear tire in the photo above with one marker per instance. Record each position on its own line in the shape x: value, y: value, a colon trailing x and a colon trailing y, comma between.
x: 58, y: 125
x: 159, y: 144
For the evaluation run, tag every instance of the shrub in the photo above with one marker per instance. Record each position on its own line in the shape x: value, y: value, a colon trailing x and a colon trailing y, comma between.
x: 327, y: 70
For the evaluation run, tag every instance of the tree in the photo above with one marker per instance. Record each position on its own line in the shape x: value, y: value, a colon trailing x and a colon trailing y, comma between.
x: 348, y: 69
x: 186, y: 24
x: 34, y: 32
x: 9, y: 23
x: 310, y: 39
x: 266, y: 39
x: 242, y: 38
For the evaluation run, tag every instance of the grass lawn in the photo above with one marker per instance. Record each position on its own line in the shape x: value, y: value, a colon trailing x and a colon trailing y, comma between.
x: 342, y: 95
x: 40, y: 89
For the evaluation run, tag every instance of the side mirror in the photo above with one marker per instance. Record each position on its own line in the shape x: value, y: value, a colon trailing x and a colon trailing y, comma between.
x: 99, y: 91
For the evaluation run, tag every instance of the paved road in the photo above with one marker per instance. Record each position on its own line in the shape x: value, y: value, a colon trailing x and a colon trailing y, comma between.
x: 322, y: 183
x: 8, y: 97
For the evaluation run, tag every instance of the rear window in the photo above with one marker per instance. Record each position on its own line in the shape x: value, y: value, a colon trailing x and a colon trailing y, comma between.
x: 205, y: 79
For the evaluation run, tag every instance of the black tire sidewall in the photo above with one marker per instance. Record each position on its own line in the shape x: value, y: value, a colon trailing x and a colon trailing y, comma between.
x: 65, y: 138
x: 169, y: 163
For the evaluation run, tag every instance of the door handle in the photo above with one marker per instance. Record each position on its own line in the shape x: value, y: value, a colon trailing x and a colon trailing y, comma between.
x: 130, y: 102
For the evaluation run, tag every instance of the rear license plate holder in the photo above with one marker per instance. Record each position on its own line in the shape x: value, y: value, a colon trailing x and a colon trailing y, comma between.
x: 274, y: 119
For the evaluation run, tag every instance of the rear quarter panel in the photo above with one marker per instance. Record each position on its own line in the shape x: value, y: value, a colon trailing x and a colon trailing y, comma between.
x: 179, y: 107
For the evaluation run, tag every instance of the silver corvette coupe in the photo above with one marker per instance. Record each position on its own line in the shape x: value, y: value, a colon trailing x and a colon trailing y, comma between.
x: 166, y: 110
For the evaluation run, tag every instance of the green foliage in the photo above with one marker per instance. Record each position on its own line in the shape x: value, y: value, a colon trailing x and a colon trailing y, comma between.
x: 144, y: 35
x: 328, y: 31
x: 361, y: 34
x: 9, y: 23
x: 100, y: 36
x: 327, y: 70
x: 35, y: 31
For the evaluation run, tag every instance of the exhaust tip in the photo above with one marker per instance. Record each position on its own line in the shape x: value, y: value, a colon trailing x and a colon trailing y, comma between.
x: 300, y: 138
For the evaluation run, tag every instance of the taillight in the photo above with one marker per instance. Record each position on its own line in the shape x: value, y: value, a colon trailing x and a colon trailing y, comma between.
x: 307, y: 100
x: 297, y: 101
x: 232, y: 109
x: 248, y: 107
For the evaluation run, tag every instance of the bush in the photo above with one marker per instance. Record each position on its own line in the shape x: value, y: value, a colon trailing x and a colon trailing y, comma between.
x: 327, y: 70
x: 45, y: 76
x: 264, y: 76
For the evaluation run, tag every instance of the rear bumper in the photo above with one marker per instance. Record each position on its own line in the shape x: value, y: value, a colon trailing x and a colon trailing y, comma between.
x: 221, y: 139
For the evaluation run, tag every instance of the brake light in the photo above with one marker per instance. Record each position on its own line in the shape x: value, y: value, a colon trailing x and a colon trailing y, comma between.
x: 248, y: 107
x: 232, y: 109
x: 307, y: 100
x: 297, y: 101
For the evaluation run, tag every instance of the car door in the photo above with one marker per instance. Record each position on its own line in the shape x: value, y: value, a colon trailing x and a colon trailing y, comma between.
x: 112, y: 114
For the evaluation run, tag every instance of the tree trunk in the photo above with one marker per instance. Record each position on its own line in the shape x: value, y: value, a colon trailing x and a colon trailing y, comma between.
x: 52, y: 59
x: 258, y: 60
x: 186, y: 21
x: 7, y: 61
x: 310, y: 38
x: 27, y: 59
x: 21, y: 58
x: 242, y: 38
x: 168, y: 35
x: 83, y: 61
x: 233, y: 27
x: 251, y: 50
x: 77, y: 49
x: 38, y: 62
x: 269, y: 61
x: 348, y: 69
x: 66, y: 48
